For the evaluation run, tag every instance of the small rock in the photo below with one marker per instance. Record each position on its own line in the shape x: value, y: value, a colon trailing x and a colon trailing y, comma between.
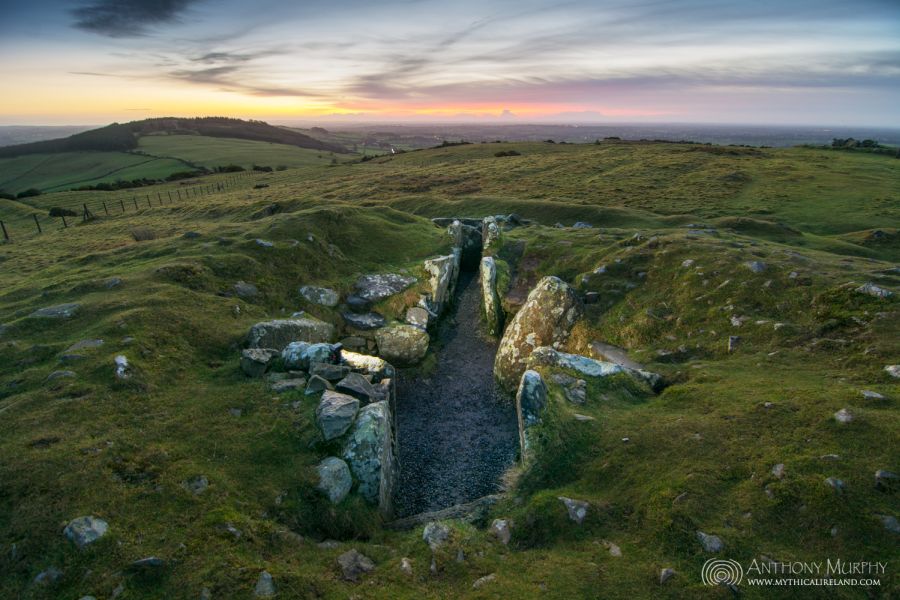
x: 870, y: 395
x: 320, y: 295
x: 256, y: 361
x: 85, y: 345
x: 353, y: 565
x: 418, y: 317
x: 265, y: 586
x: 235, y: 412
x: 85, y: 530
x: 123, y: 369
x: 890, y: 523
x: 778, y: 471
x: 886, y: 480
x: 582, y: 418
x: 196, y: 484
x: 870, y: 289
x: 317, y: 384
x: 893, y: 370
x: 757, y: 266
x: 406, y: 566
x: 112, y: 282
x: 264, y: 243
x: 60, y: 311
x: 710, y: 543
x: 582, y: 225
x: 48, y: 576
x: 288, y: 385
x: 733, y: 342
x: 336, y: 413
x: 577, y: 509
x: 666, y: 574
x: 843, y: 416
x: 357, y: 386
x: 147, y: 566
x: 335, y: 480
x: 483, y: 580
x: 435, y: 534
x: 688, y: 263
x: 500, y: 528
x: 614, y: 550
x: 835, y: 483
x: 242, y: 289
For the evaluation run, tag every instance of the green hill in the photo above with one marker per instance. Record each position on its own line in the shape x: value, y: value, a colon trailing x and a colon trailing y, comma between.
x: 672, y: 230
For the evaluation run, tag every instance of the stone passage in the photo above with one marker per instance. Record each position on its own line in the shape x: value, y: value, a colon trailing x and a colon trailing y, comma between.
x: 456, y: 432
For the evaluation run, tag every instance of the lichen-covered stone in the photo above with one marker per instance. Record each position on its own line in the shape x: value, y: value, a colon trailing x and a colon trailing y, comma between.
x: 256, y: 361
x: 493, y: 316
x: 377, y: 287
x: 320, y: 295
x: 301, y: 355
x: 281, y: 332
x: 369, y: 452
x: 85, y: 530
x: 377, y: 367
x: 402, y: 344
x: 545, y: 319
x: 531, y: 399
x: 336, y: 413
x: 444, y: 271
x: 335, y: 480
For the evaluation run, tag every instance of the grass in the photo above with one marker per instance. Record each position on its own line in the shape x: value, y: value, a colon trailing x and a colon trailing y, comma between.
x: 699, y: 454
x: 216, y: 152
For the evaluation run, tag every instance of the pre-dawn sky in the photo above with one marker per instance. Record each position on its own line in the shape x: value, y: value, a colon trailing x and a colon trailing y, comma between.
x: 823, y: 62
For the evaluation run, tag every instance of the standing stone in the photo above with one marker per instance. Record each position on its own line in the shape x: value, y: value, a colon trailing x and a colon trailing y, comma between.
x: 256, y: 361
x: 444, y: 271
x: 335, y: 480
x: 493, y: 315
x: 320, y: 295
x: 531, y: 399
x: 85, y: 530
x: 281, y: 332
x: 402, y: 344
x: 335, y: 414
x: 577, y: 509
x: 490, y: 233
x: 545, y: 319
x: 370, y: 454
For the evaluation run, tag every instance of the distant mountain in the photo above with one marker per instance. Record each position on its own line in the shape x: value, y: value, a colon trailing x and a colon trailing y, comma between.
x: 26, y: 134
x: 124, y: 136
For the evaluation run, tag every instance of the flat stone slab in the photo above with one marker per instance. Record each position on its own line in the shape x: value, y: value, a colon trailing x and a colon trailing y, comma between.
x: 613, y: 354
x: 364, y: 322
x: 376, y: 287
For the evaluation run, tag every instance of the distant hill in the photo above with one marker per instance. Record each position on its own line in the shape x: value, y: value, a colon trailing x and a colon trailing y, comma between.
x: 124, y: 136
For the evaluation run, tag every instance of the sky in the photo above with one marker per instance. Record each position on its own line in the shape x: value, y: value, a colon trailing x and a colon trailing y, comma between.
x: 788, y: 62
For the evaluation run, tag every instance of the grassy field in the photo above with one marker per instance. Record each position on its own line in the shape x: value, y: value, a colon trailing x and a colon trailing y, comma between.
x: 699, y: 455
x: 216, y: 152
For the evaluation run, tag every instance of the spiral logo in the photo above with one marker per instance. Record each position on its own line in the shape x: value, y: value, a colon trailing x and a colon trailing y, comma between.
x: 720, y: 571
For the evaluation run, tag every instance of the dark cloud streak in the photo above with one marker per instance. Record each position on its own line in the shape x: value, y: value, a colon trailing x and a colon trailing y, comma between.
x: 127, y: 18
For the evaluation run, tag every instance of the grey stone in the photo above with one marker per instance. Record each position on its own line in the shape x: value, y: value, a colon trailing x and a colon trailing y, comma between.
x: 893, y: 371
x: 590, y: 367
x: 531, y: 398
x: 545, y: 319
x: 778, y: 471
x: 493, y: 314
x: 85, y: 530
x: 256, y: 361
x: 265, y: 586
x: 577, y: 509
x: 335, y: 480
x: 281, y: 332
x: 242, y: 289
x: 502, y: 530
x: 147, y: 566
x: 317, y: 384
x: 484, y: 580
x: 363, y: 321
x: 886, y: 480
x: 890, y: 523
x: 302, y: 355
x: 288, y: 385
x: 357, y: 386
x: 335, y: 414
x: 614, y: 354
x: 329, y: 371
x: 320, y: 295
x: 357, y: 304
x: 582, y: 225
x: 577, y: 392
x: 757, y: 266
x: 733, y: 342
x: 376, y: 367
x: 843, y: 416
x: 60, y: 311
x: 870, y: 289
x: 418, y: 317
x: 835, y: 483
x: 443, y: 272
x: 369, y: 452
x: 870, y: 395
x: 196, y: 484
x: 354, y: 565
x: 710, y: 543
x: 377, y: 287
x: 85, y: 345
x: 61, y: 375
x: 490, y: 233
x: 112, y: 282
x: 402, y: 344
x: 264, y: 243
x: 665, y: 575
x: 435, y: 535
x: 48, y: 576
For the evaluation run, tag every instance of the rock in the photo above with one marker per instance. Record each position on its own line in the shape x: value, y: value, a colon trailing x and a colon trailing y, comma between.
x: 778, y: 471
x: 256, y: 361
x: 301, y: 355
x: 364, y: 321
x: 281, y: 332
x: 733, y: 342
x: 576, y: 393
x: 886, y: 480
x: 85, y: 345
x: 376, y: 367
x: 688, y: 263
x: 335, y: 414
x: 843, y: 416
x: 242, y: 289
x: 589, y: 367
x: 890, y: 523
x: 583, y: 418
x: 484, y: 580
x: 357, y: 386
x: 435, y: 535
x: 893, y: 370
x: 335, y: 480
x: 329, y: 371
x: 467, y: 237
x: 196, y: 484
x: 357, y: 304
x: 614, y: 549
x: 418, y: 317
x: 317, y: 384
x: 147, y: 566
x: 614, y: 354
x: 264, y: 243
x: 353, y: 565
x: 577, y: 509
x: 60, y: 311
x: 406, y: 566
x: 870, y: 395
x: 582, y: 225
x: 112, y: 282
x: 402, y: 344
x: 493, y: 314
x: 490, y: 233
x: 288, y: 385
x: 85, y: 530
x: 123, y: 368
x: 369, y: 452
x: 48, y: 576
x: 665, y: 575
x: 61, y: 375
x: 377, y: 287
x: 544, y: 320
x: 265, y: 586
x: 320, y: 295
x: 710, y: 543
x: 501, y: 529
x: 870, y: 289
x: 835, y: 483
x: 443, y: 272
x: 531, y: 399
x: 757, y: 266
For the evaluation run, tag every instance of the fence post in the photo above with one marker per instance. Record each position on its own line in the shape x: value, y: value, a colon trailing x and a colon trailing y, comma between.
x: 170, y: 196
x: 148, y: 201
x: 36, y: 222
x: 87, y: 214
x: 106, y: 210
x: 134, y: 199
x: 66, y: 225
x: 3, y: 227
x: 179, y: 194
x: 122, y: 202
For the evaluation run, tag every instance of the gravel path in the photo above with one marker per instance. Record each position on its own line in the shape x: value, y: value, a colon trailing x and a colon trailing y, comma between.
x: 457, y: 434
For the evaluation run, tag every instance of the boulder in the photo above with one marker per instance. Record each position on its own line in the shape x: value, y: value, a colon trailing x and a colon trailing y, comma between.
x: 418, y: 316
x: 435, y: 534
x: 281, y: 332
x: 85, y: 530
x: 577, y: 509
x: 256, y: 361
x: 369, y: 452
x: 377, y: 287
x: 320, y: 295
x: 357, y: 386
x: 301, y: 355
x: 493, y: 315
x: 443, y: 272
x: 335, y: 414
x: 402, y: 344
x: 353, y: 565
x: 870, y: 289
x: 60, y: 311
x: 363, y: 321
x: 545, y: 319
x: 242, y: 289
x: 589, y: 367
x: 335, y: 480
x: 377, y: 367
x: 317, y: 384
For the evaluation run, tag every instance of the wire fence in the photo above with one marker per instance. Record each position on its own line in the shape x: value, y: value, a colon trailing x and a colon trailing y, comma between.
x: 64, y: 214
